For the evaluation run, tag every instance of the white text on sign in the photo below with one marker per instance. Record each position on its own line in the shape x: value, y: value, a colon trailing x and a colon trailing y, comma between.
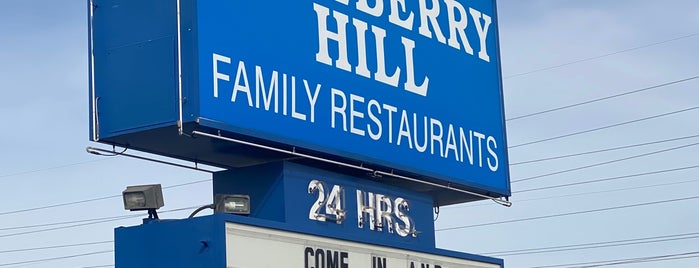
x: 377, y: 211
x: 402, y: 16
x: 284, y: 94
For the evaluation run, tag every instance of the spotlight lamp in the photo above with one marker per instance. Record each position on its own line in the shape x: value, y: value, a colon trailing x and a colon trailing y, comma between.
x: 144, y: 197
x: 227, y: 203
x: 232, y: 204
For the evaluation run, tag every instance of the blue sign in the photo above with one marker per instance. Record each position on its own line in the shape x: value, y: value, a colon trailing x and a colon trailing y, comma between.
x: 300, y: 216
x: 411, y: 85
x: 332, y: 204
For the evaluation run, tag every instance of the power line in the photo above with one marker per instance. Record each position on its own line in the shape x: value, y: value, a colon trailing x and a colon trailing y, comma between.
x: 605, y: 163
x: 610, y: 191
x: 642, y: 260
x: 595, y: 245
x: 50, y: 168
x: 567, y: 214
x: 58, y: 258
x: 600, y: 56
x: 91, y: 200
x: 56, y: 246
x: 604, y: 127
x: 578, y: 194
x: 603, y: 98
x: 59, y: 205
x: 70, y: 222
x: 66, y: 165
x: 69, y: 226
x: 625, y: 261
x: 603, y: 150
x: 609, y: 179
x: 97, y: 221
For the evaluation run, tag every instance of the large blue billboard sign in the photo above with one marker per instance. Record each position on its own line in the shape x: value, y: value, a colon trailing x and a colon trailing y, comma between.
x: 407, y: 85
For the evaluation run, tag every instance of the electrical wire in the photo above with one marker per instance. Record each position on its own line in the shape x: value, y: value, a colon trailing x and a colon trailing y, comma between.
x: 608, y: 179
x: 66, y: 227
x: 51, y: 168
x: 59, y: 205
x: 519, y: 201
x: 56, y: 246
x: 58, y: 258
x: 642, y: 260
x: 91, y: 200
x: 70, y: 222
x: 625, y: 261
x: 595, y: 245
x: 603, y: 98
x: 66, y: 165
x: 605, y: 163
x: 610, y: 191
x: 567, y: 214
x: 88, y: 223
x: 600, y: 56
x: 603, y: 150
x: 604, y: 127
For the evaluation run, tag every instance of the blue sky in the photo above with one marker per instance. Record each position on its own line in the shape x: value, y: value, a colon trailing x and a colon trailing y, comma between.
x: 44, y: 103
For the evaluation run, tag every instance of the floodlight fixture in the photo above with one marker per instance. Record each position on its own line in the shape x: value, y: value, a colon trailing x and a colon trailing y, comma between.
x: 232, y: 204
x: 144, y: 197
x: 227, y: 203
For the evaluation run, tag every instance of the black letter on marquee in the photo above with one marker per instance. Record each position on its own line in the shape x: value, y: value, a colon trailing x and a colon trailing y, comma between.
x: 332, y: 259
x: 380, y: 262
x: 320, y: 258
x: 307, y: 252
x: 343, y: 260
